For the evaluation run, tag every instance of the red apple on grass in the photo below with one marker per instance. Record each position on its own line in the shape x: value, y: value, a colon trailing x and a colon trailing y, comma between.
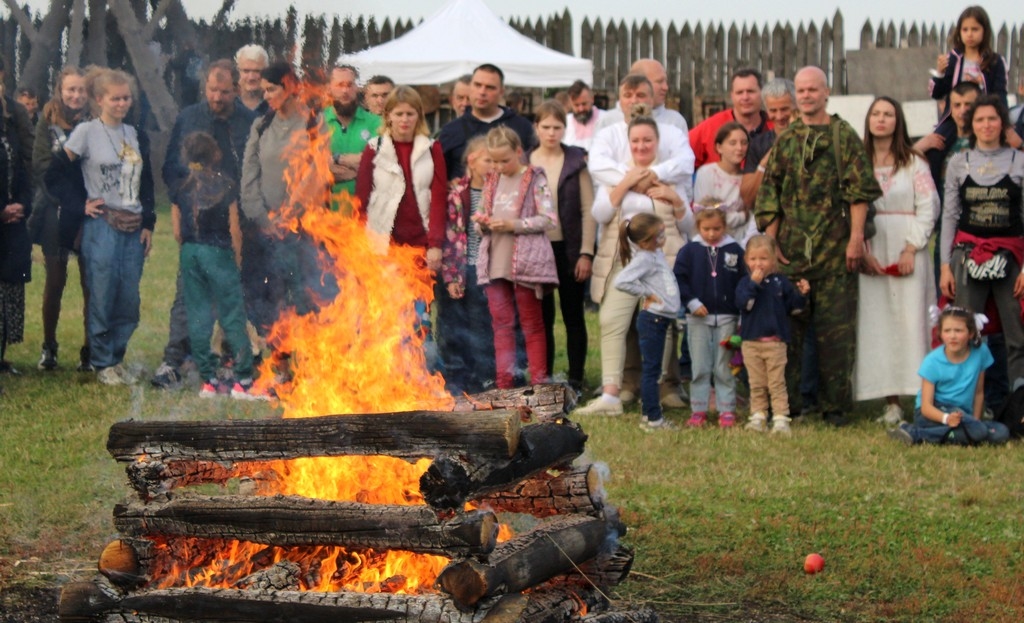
x: 814, y: 563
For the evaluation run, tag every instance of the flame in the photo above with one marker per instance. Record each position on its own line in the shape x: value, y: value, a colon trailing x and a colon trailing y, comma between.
x: 357, y: 353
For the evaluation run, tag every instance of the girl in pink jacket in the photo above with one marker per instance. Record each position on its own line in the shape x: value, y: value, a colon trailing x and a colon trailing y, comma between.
x: 515, y: 263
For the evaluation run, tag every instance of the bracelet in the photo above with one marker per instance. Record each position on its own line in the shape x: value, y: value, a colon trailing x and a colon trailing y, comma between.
x: 945, y: 419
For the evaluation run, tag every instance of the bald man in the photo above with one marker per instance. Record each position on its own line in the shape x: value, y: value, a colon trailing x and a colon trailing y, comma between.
x: 816, y: 209
x: 658, y: 77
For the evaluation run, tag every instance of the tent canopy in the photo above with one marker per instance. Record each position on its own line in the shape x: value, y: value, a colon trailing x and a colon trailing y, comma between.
x: 460, y: 36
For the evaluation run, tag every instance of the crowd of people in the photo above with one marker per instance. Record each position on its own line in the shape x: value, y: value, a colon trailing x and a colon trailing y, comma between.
x: 769, y: 240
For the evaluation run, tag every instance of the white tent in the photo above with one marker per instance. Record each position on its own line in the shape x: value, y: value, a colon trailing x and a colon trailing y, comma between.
x: 460, y: 36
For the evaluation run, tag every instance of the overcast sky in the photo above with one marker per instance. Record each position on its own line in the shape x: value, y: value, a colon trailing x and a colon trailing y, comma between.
x: 795, y: 11
x: 854, y: 11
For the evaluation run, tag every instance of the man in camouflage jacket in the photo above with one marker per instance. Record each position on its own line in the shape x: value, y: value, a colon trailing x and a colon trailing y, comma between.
x: 818, y: 215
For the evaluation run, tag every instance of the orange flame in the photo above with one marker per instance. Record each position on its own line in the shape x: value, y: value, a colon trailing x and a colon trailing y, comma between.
x: 358, y: 353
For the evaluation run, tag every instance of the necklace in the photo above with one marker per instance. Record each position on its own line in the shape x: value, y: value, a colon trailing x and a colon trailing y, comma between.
x: 712, y: 260
x: 119, y: 152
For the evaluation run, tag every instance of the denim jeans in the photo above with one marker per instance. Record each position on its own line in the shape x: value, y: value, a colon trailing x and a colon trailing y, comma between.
x: 465, y: 338
x: 652, y: 329
x: 113, y: 270
x: 708, y: 358
x: 970, y: 432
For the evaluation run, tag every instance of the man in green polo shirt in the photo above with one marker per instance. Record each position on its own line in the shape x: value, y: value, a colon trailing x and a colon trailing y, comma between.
x: 351, y: 127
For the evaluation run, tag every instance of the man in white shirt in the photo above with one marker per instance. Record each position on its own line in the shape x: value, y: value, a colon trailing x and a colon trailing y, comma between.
x: 610, y: 155
x: 581, y: 123
x: 658, y: 77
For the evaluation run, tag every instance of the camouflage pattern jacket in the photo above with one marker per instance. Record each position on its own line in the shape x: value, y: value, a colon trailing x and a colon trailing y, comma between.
x: 801, y: 190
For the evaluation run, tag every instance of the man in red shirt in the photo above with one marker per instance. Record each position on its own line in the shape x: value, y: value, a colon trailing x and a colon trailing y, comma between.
x: 745, y: 95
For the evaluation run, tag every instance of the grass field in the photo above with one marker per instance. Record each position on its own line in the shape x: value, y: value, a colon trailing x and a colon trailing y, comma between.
x: 720, y: 521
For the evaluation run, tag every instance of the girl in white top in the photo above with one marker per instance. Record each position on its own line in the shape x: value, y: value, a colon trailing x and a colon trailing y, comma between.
x: 718, y: 183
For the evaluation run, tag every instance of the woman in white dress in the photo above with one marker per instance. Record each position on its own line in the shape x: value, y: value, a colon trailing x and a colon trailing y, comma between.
x: 896, y: 287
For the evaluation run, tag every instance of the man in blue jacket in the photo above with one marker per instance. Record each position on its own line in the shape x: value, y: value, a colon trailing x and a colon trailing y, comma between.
x: 229, y: 124
x: 487, y: 87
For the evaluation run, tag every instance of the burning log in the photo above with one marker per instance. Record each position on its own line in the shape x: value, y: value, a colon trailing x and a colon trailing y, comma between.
x: 294, y: 520
x: 575, y: 491
x: 87, y: 601
x: 151, y: 478
x: 526, y: 560
x: 451, y: 480
x: 410, y: 435
x: 119, y: 562
x: 545, y: 402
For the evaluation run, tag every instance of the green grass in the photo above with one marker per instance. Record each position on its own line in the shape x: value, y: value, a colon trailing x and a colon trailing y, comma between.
x: 720, y: 521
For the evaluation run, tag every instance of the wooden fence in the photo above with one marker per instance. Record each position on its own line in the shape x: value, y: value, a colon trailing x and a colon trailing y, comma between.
x: 699, y: 57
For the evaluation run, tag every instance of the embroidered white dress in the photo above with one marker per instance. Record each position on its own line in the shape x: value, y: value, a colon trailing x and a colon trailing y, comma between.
x: 893, y: 332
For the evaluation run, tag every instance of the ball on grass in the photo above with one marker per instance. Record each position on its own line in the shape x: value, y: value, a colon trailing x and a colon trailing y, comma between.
x: 814, y: 563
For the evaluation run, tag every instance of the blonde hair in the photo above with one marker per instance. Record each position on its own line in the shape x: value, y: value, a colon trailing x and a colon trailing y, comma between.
x: 403, y: 94
x: 475, y: 144
x: 639, y: 229
x: 708, y: 213
x: 501, y: 137
x: 763, y: 241
x: 98, y: 81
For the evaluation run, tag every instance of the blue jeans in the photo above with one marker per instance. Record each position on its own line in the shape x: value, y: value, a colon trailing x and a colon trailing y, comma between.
x: 708, y: 358
x: 465, y: 338
x: 113, y: 270
x: 970, y: 432
x: 652, y: 329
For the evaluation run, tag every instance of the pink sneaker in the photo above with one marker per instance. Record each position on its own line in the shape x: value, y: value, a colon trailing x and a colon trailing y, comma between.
x: 727, y: 420
x: 697, y: 419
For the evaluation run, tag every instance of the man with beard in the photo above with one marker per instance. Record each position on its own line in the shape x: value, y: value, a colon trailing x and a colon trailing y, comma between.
x: 220, y: 116
x: 350, y: 127
x: 582, y: 123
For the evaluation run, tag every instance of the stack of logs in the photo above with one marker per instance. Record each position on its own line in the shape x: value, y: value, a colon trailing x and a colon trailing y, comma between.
x: 505, y: 451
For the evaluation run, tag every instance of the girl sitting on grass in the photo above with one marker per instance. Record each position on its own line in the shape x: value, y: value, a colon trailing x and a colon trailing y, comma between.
x: 952, y: 388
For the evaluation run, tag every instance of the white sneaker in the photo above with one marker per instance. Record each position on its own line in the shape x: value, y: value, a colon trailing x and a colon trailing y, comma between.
x: 780, y: 425
x: 758, y: 422
x: 600, y: 406
x: 657, y: 425
x: 892, y: 416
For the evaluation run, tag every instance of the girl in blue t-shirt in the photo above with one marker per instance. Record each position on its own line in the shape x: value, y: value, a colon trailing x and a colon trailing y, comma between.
x: 952, y: 388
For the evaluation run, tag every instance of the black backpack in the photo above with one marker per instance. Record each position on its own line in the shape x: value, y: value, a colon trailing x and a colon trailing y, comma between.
x: 1012, y: 413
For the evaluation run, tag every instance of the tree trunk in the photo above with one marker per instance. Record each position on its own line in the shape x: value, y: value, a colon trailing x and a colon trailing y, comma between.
x: 526, y: 560
x: 294, y: 520
x: 45, y: 47
x: 147, y: 66
x: 451, y: 480
x: 96, y: 38
x: 410, y: 435
x: 576, y: 491
x: 76, y: 31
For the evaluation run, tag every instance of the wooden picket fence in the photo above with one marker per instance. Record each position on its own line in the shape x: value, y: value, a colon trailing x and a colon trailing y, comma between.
x: 699, y: 57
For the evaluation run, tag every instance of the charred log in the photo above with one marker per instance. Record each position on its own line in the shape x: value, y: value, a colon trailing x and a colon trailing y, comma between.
x: 414, y: 434
x: 546, y: 403
x: 578, y: 490
x: 453, y: 479
x: 526, y: 560
x: 294, y: 520
x: 642, y: 615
